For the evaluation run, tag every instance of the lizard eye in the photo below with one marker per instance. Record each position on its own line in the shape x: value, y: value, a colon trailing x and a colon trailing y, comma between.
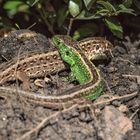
x: 67, y: 53
x: 58, y: 43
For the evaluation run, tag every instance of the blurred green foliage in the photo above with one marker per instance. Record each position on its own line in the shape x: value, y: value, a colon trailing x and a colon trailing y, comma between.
x: 88, y: 17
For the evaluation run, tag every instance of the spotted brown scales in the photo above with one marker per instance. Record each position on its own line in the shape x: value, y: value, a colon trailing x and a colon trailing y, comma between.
x: 40, y: 61
x: 99, y: 44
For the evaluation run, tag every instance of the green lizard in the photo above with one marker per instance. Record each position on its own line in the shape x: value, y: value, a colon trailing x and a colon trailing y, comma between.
x: 81, y: 68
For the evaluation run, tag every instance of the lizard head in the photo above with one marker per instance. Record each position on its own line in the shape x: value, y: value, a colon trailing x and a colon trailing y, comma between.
x: 64, y: 45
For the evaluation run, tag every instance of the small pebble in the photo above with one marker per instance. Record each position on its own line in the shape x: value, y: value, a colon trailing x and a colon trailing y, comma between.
x: 123, y: 108
x: 112, y: 69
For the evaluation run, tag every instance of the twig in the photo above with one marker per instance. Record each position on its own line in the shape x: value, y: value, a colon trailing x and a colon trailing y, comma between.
x: 125, y: 60
x: 116, y: 98
x: 70, y: 26
x: 31, y: 26
x: 4, y: 58
x: 109, y: 89
x: 133, y: 76
x: 134, y: 114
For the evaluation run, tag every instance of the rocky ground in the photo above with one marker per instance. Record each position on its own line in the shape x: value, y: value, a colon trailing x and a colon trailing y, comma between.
x: 114, y: 116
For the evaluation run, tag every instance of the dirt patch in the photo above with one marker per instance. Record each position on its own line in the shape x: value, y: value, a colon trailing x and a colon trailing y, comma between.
x: 21, y: 120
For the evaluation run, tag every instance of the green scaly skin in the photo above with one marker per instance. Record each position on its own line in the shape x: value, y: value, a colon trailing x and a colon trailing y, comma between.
x: 78, y: 68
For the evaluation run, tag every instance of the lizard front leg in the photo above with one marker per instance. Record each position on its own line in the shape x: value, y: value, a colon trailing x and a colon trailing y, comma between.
x: 22, y: 76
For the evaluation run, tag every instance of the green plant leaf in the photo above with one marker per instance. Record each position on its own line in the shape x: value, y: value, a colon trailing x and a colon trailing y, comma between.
x: 88, y: 3
x: 75, y: 7
x: 15, y: 6
x: 115, y: 27
x: 124, y: 9
x: 11, y: 5
x: 89, y: 29
x: 107, y: 5
x: 103, y: 12
x: 127, y: 3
